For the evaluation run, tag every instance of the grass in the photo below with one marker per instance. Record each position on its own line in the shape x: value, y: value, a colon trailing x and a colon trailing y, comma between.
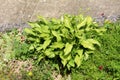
x: 104, y: 64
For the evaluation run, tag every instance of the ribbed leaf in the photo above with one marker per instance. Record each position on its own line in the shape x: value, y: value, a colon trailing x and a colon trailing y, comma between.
x: 59, y: 45
x: 31, y: 47
x: 71, y: 63
x: 68, y: 48
x: 40, y: 57
x: 39, y: 48
x: 43, y: 19
x: 49, y: 53
x: 89, y: 21
x: 64, y: 62
x: 87, y: 44
x: 79, y: 52
x: 68, y: 66
x: 33, y: 24
x: 67, y: 22
x: 78, y: 60
x: 83, y: 23
x: 93, y: 41
x: 45, y: 29
x: 56, y: 35
x: 100, y: 30
x: 29, y: 31
x: 44, y: 35
x: 86, y: 56
x: 46, y: 43
x: 67, y: 57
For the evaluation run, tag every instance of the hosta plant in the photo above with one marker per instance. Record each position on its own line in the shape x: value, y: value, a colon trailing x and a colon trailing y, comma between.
x: 64, y: 39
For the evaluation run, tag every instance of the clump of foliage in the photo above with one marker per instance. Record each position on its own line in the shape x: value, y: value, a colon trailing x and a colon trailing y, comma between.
x: 63, y: 40
x: 6, y: 47
x: 105, y: 63
x: 12, y: 44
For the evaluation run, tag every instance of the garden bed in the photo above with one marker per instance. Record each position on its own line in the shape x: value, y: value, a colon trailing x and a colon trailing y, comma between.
x: 17, y: 63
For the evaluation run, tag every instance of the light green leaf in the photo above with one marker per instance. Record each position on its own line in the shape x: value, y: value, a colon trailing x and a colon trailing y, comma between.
x: 67, y: 22
x: 45, y: 29
x: 40, y: 57
x: 93, y: 41
x: 100, y: 30
x: 65, y: 32
x: 89, y: 52
x: 83, y: 23
x: 33, y: 24
x: 59, y: 45
x: 86, y: 56
x: 71, y: 63
x: 46, y: 43
x: 78, y: 60
x: 29, y: 31
x: 68, y: 66
x: 89, y: 21
x: 64, y: 62
x: 79, y: 52
x: 38, y: 29
x: 31, y: 47
x: 44, y: 35
x: 87, y: 44
x: 81, y: 17
x: 43, y: 19
x: 49, y: 53
x: 31, y: 39
x: 55, y: 21
x: 68, y: 48
x: 67, y: 57
x: 56, y: 35
x: 39, y: 48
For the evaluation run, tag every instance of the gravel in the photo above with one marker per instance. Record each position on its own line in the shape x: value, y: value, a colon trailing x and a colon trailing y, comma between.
x: 9, y: 26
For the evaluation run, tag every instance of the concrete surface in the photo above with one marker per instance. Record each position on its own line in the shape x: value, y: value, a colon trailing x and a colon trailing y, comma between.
x: 19, y: 11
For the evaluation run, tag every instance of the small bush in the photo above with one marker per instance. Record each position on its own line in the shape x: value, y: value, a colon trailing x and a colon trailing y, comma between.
x: 63, y: 40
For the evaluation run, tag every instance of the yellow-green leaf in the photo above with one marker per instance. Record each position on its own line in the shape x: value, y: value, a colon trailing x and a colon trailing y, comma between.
x: 29, y: 31
x: 31, y: 47
x: 79, y: 52
x: 64, y: 62
x: 93, y: 41
x: 56, y: 35
x: 49, y: 53
x: 67, y: 22
x: 86, y: 56
x: 39, y: 48
x: 71, y: 63
x: 59, y: 45
x: 43, y: 19
x: 68, y: 48
x: 67, y: 57
x: 33, y: 24
x: 87, y: 44
x: 46, y: 43
x: 40, y: 57
x: 78, y: 60
x: 89, y: 21
x: 83, y: 23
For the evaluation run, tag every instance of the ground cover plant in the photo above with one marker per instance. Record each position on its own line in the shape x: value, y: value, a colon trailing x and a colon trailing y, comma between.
x: 63, y: 40
x: 53, y: 47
